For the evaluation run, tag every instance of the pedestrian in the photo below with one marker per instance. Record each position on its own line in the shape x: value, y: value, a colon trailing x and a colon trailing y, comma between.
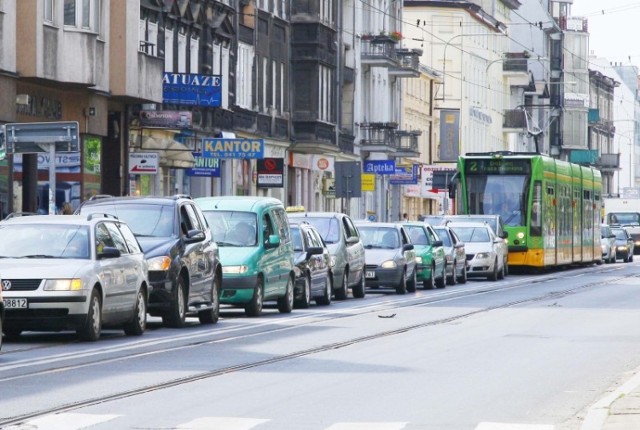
x: 405, y: 217
x: 67, y: 209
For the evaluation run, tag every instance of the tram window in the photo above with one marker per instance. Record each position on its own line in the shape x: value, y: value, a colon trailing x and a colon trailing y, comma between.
x: 550, y: 191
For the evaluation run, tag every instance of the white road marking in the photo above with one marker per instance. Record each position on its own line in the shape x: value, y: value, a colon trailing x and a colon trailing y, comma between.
x: 368, y: 426
x: 513, y: 426
x: 64, y: 421
x: 226, y: 423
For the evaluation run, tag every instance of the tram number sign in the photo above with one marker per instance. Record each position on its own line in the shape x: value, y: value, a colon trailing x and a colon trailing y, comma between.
x: 497, y: 166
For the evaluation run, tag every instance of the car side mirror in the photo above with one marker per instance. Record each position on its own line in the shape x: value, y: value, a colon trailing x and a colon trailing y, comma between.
x: 272, y: 242
x: 352, y: 239
x: 315, y: 250
x: 407, y: 247
x: 437, y: 243
x: 109, y: 252
x: 505, y: 234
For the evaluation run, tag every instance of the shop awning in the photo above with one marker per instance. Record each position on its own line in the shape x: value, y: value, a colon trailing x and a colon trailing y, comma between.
x: 172, y: 153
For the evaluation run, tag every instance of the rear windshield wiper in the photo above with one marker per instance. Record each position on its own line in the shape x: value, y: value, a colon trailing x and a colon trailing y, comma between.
x: 38, y: 256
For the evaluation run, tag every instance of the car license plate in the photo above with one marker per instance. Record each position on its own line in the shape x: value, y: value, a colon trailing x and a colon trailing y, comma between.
x: 370, y: 274
x: 15, y: 303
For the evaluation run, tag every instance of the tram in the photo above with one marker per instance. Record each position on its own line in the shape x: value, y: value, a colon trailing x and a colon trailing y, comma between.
x: 551, y: 208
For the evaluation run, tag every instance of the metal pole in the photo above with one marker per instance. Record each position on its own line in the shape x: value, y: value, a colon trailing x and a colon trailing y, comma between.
x: 52, y: 179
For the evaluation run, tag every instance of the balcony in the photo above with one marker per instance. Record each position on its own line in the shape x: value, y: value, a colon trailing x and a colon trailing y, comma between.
x: 584, y: 156
x: 408, y: 145
x: 514, y: 119
x: 516, y: 62
x: 408, y: 61
x: 609, y: 162
x: 379, y: 51
x: 379, y: 137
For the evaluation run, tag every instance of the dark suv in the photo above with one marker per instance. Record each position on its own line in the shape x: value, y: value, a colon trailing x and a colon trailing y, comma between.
x: 184, y: 267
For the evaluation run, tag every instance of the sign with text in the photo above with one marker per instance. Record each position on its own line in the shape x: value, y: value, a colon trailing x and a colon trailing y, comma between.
x: 192, y: 89
x: 270, y: 173
x: 380, y: 167
x: 143, y: 163
x: 165, y: 119
x: 233, y: 148
x: 204, y: 167
x: 406, y: 175
x: 449, y: 149
x: 368, y: 182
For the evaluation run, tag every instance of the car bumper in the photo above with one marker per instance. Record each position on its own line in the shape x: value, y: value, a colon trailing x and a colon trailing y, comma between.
x: 237, y: 289
x: 45, y: 313
x: 383, y: 277
x: 423, y: 272
x: 480, y: 268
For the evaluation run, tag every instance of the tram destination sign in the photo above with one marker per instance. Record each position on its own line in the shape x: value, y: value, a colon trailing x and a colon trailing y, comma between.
x: 497, y: 166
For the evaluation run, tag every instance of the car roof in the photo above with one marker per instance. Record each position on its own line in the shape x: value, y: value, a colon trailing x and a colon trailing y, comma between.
x: 60, y: 219
x: 240, y: 203
x: 378, y: 224
x: 315, y: 215
x: 467, y: 224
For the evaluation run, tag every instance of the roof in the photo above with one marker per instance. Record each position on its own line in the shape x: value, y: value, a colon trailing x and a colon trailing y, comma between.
x: 240, y: 203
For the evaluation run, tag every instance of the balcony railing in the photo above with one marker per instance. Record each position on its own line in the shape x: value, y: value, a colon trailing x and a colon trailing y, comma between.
x: 379, y: 136
x: 407, y: 143
x: 610, y: 161
x: 515, y: 62
x: 408, y: 63
x: 379, y: 51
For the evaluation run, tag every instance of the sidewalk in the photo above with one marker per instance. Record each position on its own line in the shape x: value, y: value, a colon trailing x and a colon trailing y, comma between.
x: 619, y: 410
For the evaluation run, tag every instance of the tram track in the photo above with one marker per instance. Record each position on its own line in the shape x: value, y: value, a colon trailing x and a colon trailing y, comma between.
x: 385, y: 305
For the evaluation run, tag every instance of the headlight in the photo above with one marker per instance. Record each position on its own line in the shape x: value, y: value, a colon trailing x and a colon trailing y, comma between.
x: 389, y: 264
x: 622, y: 247
x: 63, y: 285
x: 159, y: 263
x: 235, y: 269
x: 333, y: 261
x: 482, y: 255
x: 419, y: 260
x: 520, y: 235
x: 604, y: 248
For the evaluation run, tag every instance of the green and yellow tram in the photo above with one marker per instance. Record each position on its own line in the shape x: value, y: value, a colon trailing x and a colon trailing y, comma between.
x: 550, y: 208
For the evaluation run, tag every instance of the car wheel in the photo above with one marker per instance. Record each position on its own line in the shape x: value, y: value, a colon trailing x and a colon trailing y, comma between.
x: 11, y: 334
x: 138, y: 322
x: 411, y: 284
x: 359, y: 291
x: 451, y: 280
x: 90, y: 330
x: 176, y: 316
x: 254, y: 307
x: 402, y: 287
x: 440, y: 282
x: 325, y: 299
x: 343, y: 292
x: 305, y: 300
x: 211, y: 316
x: 505, y: 268
x: 285, y: 303
x: 631, y: 257
x: 494, y: 275
x: 501, y: 273
x: 0, y: 334
x: 463, y: 277
x: 429, y: 283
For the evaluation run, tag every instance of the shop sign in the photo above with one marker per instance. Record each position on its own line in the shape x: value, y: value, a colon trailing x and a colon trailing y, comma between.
x: 380, y: 167
x: 165, y: 119
x: 329, y: 188
x: 143, y: 163
x: 270, y: 173
x: 404, y: 175
x: 192, y: 89
x: 302, y: 161
x: 368, y: 181
x: 233, y: 148
x: 322, y: 163
x: 204, y: 167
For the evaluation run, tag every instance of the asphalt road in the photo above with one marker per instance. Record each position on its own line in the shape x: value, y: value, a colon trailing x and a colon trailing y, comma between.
x: 531, y: 352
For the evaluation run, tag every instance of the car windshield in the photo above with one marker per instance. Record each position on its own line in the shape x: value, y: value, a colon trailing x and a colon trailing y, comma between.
x: 443, y: 236
x: 417, y: 234
x: 233, y: 228
x: 44, y: 241
x: 472, y: 234
x: 145, y: 220
x: 620, y: 234
x: 328, y: 228
x: 296, y: 239
x: 379, y: 237
x: 491, y: 220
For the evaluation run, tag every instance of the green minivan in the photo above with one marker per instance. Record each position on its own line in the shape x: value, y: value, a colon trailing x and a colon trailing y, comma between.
x: 256, y: 252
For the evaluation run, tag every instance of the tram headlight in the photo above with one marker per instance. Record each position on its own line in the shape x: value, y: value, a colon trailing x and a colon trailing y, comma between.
x: 520, y: 235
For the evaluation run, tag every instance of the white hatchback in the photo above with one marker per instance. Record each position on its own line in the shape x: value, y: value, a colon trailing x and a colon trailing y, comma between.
x: 72, y: 272
x: 486, y: 252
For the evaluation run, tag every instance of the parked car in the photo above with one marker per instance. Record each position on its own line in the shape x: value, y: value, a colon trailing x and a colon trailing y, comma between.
x: 485, y: 251
x: 497, y: 225
x: 624, y: 244
x: 1, y: 317
x: 454, y: 254
x: 184, y: 267
x: 345, y: 245
x: 608, y: 244
x: 389, y: 255
x: 62, y: 272
x: 256, y: 250
x: 312, y: 266
x: 430, y: 257
x: 432, y: 219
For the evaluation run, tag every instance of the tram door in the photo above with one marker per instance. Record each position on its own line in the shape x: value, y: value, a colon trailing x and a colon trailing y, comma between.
x: 579, y: 231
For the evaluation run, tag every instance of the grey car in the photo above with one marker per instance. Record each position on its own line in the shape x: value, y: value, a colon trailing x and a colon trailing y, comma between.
x: 454, y: 254
x: 390, y: 256
x: 345, y: 246
x: 608, y: 244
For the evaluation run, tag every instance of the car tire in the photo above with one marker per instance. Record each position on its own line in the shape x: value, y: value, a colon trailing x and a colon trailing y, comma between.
x: 451, y: 280
x: 343, y: 292
x: 90, y: 330
x: 359, y: 291
x: 305, y: 301
x: 501, y: 273
x: 440, y: 282
x: 138, y: 323
x: 631, y: 258
x: 285, y: 303
x: 413, y: 282
x: 505, y: 268
x: 462, y: 279
x: 494, y: 275
x: 1, y: 334
x: 325, y: 299
x: 176, y: 316
x: 402, y: 287
x: 211, y: 316
x: 254, y: 307
x: 428, y: 284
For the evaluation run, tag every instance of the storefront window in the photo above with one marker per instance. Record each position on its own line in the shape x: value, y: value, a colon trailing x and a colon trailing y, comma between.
x: 91, y: 166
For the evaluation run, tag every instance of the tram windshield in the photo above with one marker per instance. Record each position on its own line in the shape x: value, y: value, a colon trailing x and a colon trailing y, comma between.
x: 503, y: 195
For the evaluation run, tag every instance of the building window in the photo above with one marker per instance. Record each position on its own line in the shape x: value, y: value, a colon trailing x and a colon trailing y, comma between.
x: 83, y: 14
x: 148, y: 37
x: 265, y: 79
x: 326, y: 11
x: 193, y: 54
x: 182, y: 52
x: 48, y: 11
x: 324, y: 93
x: 244, y: 83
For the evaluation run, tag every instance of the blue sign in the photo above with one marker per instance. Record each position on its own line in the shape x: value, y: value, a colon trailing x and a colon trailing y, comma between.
x: 209, y: 167
x: 405, y: 175
x: 233, y: 148
x: 380, y: 167
x: 192, y: 89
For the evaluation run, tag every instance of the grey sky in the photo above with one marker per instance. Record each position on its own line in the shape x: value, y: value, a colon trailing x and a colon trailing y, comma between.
x: 614, y: 28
